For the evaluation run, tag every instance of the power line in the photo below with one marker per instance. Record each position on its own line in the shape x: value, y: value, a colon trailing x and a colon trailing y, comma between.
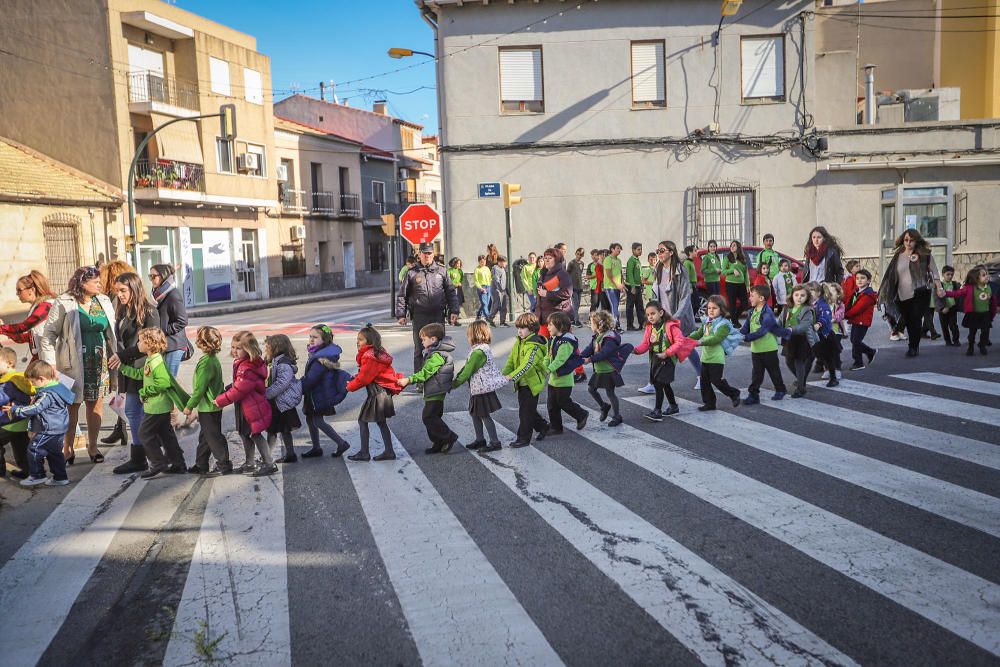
x: 853, y: 21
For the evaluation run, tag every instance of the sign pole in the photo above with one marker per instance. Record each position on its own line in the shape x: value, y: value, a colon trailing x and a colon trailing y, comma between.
x: 510, y: 264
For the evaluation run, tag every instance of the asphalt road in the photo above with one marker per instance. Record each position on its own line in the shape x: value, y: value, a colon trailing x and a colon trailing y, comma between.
x: 858, y: 525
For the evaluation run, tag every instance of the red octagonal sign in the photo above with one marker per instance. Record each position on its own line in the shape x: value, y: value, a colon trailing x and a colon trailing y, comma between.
x: 420, y: 223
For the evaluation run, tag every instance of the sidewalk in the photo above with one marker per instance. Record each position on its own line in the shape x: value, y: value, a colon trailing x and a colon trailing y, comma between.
x: 215, y: 310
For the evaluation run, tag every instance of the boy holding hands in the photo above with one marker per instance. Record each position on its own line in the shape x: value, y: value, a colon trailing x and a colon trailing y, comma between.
x: 858, y: 312
x: 436, y: 375
x: 49, y: 415
x: 762, y: 331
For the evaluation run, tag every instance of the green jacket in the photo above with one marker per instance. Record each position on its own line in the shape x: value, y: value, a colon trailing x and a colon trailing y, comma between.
x: 456, y: 276
x: 160, y: 391
x: 711, y: 267
x: 526, y: 363
x: 592, y: 275
x: 528, y: 277
x: 432, y: 365
x: 691, y: 271
x: 483, y: 277
x: 711, y: 344
x: 612, y: 272
x: 207, y: 384
x: 770, y: 257
x: 633, y: 272
x: 742, y: 277
x: 648, y: 278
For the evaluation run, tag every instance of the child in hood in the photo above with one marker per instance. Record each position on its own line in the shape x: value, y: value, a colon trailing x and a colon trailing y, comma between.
x: 377, y: 377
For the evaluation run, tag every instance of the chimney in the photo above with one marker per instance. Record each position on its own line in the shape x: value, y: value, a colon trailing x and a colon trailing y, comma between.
x: 378, y: 106
x: 322, y: 90
x: 871, y: 104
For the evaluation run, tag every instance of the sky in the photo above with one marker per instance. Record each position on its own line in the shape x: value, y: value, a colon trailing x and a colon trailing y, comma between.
x: 340, y: 41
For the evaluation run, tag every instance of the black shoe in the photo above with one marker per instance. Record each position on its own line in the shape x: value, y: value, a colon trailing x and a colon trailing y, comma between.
x: 152, y: 472
x: 224, y: 468
x: 736, y: 400
x: 970, y: 352
x: 388, y: 455
x: 435, y: 448
x: 912, y: 352
x: 117, y: 434
x: 313, y: 453
x: 834, y: 382
x: 672, y: 410
x: 197, y: 470
x: 341, y: 448
x: 478, y: 444
x: 871, y: 356
x: 360, y: 457
x: 448, y: 444
x: 517, y: 444
x: 19, y: 474
x: 706, y: 408
x: 935, y: 335
x: 545, y: 430
x: 605, y: 411
x: 653, y: 416
x: 492, y: 447
x: 71, y: 459
x: 177, y: 469
x: 982, y: 349
x: 798, y: 393
x: 136, y: 462
x: 555, y: 431
x: 265, y: 469
x: 632, y: 328
x: 97, y: 458
x: 580, y: 378
x: 616, y: 421
x: 582, y: 421
x: 287, y: 458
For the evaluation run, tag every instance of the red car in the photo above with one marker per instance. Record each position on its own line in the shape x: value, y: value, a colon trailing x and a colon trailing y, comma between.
x: 752, y: 252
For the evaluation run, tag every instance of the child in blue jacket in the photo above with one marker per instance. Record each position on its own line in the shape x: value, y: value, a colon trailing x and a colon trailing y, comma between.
x: 49, y: 415
x: 324, y: 385
x: 762, y: 331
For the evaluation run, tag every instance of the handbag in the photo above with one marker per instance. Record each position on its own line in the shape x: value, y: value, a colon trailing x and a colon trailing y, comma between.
x: 117, y: 403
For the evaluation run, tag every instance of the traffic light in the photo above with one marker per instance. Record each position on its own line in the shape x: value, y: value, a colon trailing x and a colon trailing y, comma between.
x: 140, y: 232
x: 227, y: 116
x: 730, y: 7
x: 389, y: 224
x: 510, y: 195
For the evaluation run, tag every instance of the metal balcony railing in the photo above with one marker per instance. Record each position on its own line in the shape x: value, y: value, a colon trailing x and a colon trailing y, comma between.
x: 169, y: 175
x: 414, y: 198
x: 153, y: 87
x: 350, y: 205
x: 323, y: 203
x: 374, y: 210
x: 293, y: 201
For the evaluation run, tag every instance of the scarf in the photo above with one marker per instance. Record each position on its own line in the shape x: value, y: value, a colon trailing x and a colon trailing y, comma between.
x: 159, y: 293
x: 816, y: 255
x: 313, y: 348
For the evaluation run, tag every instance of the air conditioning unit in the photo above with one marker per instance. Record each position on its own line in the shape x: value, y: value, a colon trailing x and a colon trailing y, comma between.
x: 283, y: 173
x: 298, y: 232
x: 404, y: 173
x: 248, y: 162
x: 401, y: 186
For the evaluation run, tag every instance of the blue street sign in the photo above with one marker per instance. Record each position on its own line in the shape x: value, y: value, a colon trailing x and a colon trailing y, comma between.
x: 489, y: 190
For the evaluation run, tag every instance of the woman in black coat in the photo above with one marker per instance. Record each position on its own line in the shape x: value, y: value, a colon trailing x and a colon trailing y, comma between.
x: 134, y: 311
x: 173, y: 315
x: 823, y: 257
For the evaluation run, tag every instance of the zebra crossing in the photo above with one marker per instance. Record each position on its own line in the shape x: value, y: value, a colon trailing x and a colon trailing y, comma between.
x: 795, y: 532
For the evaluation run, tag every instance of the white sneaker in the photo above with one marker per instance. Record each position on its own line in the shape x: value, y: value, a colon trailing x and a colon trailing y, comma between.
x: 34, y: 481
x: 648, y: 389
x: 57, y: 482
x: 825, y: 375
x: 697, y: 383
x: 894, y: 337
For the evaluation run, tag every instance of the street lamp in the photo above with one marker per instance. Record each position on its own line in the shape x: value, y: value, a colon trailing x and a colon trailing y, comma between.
x: 398, y: 53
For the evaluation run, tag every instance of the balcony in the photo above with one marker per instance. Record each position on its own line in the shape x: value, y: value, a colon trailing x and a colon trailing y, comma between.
x: 350, y: 205
x: 293, y: 201
x: 169, y: 175
x: 323, y: 204
x: 150, y: 92
x: 414, y: 198
x: 374, y: 210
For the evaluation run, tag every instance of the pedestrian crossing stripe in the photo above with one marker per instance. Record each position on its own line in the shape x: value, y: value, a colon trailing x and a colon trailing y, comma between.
x: 954, y: 382
x: 988, y: 370
x: 970, y: 508
x: 936, y: 590
x: 716, y: 618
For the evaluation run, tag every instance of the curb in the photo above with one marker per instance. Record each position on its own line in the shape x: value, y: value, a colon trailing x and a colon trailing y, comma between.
x: 248, y: 306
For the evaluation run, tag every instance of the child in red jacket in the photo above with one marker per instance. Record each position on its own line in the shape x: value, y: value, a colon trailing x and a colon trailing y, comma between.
x: 979, y: 304
x: 859, y: 308
x: 253, y: 412
x: 376, y: 376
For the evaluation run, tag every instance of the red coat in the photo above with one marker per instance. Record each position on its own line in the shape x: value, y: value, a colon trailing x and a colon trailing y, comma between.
x: 248, y: 390
x: 863, y: 309
x: 762, y: 280
x: 375, y: 368
x: 850, y: 287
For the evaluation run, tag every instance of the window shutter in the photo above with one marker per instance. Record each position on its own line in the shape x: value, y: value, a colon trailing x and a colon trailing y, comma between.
x: 521, y: 75
x: 254, y: 88
x: 763, y: 66
x: 220, y: 76
x: 648, y: 80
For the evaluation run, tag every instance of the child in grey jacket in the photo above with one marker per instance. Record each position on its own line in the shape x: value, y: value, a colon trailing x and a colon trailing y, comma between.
x: 799, y: 320
x: 283, y: 392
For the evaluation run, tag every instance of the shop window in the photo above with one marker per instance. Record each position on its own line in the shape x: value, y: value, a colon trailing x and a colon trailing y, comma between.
x: 293, y: 260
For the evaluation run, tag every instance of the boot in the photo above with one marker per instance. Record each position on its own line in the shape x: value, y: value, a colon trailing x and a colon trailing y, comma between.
x: 118, y: 433
x: 136, y: 462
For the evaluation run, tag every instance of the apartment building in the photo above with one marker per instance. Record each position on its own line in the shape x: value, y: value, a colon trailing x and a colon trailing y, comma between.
x: 89, y: 88
x: 641, y: 120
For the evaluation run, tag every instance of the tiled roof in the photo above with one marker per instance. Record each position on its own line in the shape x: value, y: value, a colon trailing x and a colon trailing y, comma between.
x: 26, y: 175
x: 295, y: 126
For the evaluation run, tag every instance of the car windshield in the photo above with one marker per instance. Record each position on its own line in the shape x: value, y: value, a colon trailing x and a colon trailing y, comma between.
x: 751, y: 257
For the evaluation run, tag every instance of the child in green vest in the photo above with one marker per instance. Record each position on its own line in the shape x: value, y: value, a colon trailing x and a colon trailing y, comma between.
x: 525, y: 367
x: 561, y: 360
x: 710, y: 337
x: 436, y: 376
x: 800, y: 320
x: 762, y: 331
x: 207, y: 385
x: 947, y: 310
x: 602, y: 346
x: 160, y: 393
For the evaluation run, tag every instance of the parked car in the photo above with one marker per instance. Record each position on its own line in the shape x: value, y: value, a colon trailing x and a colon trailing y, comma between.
x: 752, y: 253
x: 993, y: 266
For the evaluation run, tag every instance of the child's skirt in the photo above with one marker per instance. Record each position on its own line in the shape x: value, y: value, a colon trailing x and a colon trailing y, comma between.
x: 483, y: 405
x: 611, y: 380
x: 282, y: 422
x: 378, y: 406
x: 797, y: 347
x: 977, y: 321
x: 661, y: 371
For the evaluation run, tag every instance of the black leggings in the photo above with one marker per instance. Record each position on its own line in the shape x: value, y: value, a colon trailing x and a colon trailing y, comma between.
x: 912, y: 311
x: 661, y: 391
x: 257, y: 440
x: 736, y: 297
x: 612, y: 399
x: 479, y: 423
x: 383, y: 428
x: 984, y: 337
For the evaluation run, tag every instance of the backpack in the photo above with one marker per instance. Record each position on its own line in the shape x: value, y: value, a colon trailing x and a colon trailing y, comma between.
x: 574, y: 361
x: 733, y: 340
x: 518, y: 267
x: 621, y: 353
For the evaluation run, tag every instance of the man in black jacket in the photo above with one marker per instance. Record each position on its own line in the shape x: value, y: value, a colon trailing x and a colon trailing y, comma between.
x: 428, y: 293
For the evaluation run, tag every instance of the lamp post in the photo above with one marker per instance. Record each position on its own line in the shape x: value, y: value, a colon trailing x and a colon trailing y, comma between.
x: 398, y: 53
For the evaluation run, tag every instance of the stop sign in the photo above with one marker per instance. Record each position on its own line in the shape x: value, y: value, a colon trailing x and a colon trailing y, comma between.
x: 420, y: 223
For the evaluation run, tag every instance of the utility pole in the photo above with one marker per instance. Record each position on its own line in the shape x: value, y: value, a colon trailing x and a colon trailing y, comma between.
x: 510, y: 198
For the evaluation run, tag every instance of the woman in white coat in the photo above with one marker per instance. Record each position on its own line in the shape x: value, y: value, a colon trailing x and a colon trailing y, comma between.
x: 672, y: 288
x: 78, y: 338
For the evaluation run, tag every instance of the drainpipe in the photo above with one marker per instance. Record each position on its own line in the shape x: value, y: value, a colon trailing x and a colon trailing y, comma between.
x: 426, y: 15
x: 870, y: 102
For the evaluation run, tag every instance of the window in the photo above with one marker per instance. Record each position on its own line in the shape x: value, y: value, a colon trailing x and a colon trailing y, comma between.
x: 60, y: 232
x: 521, y: 80
x: 378, y: 191
x: 762, y: 63
x: 261, y: 169
x: 293, y: 260
x: 725, y: 213
x: 376, y: 257
x: 220, y: 76
x: 253, y: 87
x: 224, y: 155
x: 649, y: 81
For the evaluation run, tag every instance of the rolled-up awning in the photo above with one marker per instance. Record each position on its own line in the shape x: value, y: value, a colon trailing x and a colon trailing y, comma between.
x: 179, y: 141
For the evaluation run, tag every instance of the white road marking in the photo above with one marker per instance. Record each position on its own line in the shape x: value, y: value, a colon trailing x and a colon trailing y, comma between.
x: 963, y: 603
x: 459, y: 610
x: 716, y: 618
x: 995, y: 369
x: 236, y: 592
x: 921, y: 402
x: 954, y: 382
x: 970, y: 508
x: 940, y: 442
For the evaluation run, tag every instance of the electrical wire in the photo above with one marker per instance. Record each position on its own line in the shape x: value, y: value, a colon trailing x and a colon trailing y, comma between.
x: 854, y: 21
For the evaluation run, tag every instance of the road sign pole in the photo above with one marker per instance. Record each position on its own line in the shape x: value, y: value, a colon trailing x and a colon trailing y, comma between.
x: 510, y: 265
x: 393, y: 273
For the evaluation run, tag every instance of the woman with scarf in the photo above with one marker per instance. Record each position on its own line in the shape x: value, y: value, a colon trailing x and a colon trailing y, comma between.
x: 34, y: 289
x: 173, y: 315
x: 906, y: 286
x: 823, y: 253
x: 554, y: 290
x: 672, y: 288
x: 109, y: 274
x: 76, y: 338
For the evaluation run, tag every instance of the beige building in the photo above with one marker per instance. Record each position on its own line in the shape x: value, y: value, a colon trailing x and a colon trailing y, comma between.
x: 55, y: 218
x: 95, y: 87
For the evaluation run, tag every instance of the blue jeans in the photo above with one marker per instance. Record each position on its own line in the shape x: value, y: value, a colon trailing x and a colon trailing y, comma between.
x: 532, y: 300
x: 484, y: 304
x: 133, y: 411
x: 317, y: 423
x: 614, y: 297
x: 695, y: 360
x: 43, y: 448
x: 173, y: 361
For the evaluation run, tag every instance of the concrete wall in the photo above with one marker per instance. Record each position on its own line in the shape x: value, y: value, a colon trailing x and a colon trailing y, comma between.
x: 970, y: 56
x: 358, y: 124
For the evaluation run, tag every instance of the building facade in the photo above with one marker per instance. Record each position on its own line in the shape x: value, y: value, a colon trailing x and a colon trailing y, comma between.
x: 635, y: 120
x: 134, y: 66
